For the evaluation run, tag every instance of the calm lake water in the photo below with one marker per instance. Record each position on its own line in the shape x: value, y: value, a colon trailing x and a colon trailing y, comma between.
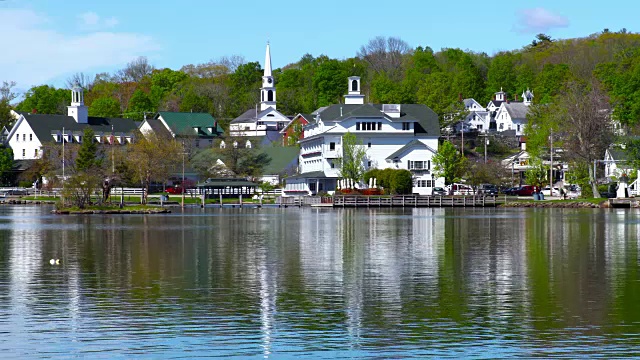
x: 321, y: 283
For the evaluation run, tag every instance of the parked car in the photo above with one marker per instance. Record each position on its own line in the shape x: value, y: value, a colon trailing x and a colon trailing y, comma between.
x: 439, y: 191
x: 460, y: 189
x: 547, y: 192
x: 525, y: 190
x: 177, y: 189
x: 487, y: 189
x: 511, y: 191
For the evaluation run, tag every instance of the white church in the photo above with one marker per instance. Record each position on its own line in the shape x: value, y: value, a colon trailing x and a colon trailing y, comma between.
x: 32, y: 131
x: 264, y: 118
x: 398, y: 136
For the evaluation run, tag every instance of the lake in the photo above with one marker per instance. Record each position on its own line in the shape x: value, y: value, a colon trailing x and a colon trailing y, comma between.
x: 321, y: 283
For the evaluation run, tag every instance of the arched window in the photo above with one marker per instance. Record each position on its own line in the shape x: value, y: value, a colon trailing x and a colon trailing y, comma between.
x: 354, y: 85
x: 270, y: 95
x: 263, y: 96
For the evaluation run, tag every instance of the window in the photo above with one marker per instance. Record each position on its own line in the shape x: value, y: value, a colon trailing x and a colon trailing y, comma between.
x: 406, y: 126
x: 354, y: 85
x: 429, y: 183
x: 332, y: 146
x: 479, y: 127
x: 270, y: 95
x: 30, y: 137
x: 24, y: 137
x: 368, y: 126
x: 379, y: 126
x: 24, y: 152
x: 368, y: 144
x: 357, y: 126
x: 518, y: 127
x: 36, y: 153
x: 17, y: 137
x: 369, y: 164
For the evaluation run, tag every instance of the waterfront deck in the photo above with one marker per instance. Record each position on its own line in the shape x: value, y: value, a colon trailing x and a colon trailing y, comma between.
x: 418, y: 201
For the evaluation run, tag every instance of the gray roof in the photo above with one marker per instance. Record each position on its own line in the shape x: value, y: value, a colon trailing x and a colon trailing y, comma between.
x: 495, y: 102
x: 426, y: 119
x: 44, y: 125
x: 308, y: 175
x: 248, y: 116
x: 158, y: 128
x: 410, y: 144
x: 517, y: 110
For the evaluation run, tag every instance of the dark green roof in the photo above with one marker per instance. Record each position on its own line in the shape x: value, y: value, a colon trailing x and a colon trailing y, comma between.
x: 619, y: 154
x: 422, y: 114
x: 44, y: 125
x: 183, y: 123
x: 284, y: 159
x: 410, y: 144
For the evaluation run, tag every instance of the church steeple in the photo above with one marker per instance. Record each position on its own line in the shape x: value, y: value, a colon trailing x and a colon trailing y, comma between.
x: 78, y: 110
x: 268, y: 90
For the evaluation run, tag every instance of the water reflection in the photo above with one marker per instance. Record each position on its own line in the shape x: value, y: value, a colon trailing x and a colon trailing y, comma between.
x: 321, y: 283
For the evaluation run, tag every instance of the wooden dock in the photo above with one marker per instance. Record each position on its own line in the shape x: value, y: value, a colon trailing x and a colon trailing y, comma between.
x: 418, y: 201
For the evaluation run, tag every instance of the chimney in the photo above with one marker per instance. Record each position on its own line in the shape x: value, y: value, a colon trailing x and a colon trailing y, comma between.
x: 516, y: 97
x: 34, y: 111
x: 460, y: 97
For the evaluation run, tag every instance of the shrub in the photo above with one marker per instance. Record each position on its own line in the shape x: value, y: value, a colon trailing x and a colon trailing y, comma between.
x: 402, y: 182
x: 25, y: 184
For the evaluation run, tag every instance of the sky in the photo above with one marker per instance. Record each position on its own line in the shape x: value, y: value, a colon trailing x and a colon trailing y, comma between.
x: 45, y: 41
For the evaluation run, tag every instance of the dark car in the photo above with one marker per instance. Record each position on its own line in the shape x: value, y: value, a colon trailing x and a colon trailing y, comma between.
x: 487, y: 189
x: 511, y: 191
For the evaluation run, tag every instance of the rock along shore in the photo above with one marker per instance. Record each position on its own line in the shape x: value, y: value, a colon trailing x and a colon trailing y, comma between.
x: 112, y: 211
x: 544, y: 204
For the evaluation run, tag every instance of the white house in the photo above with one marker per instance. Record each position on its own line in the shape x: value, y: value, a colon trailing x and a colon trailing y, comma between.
x: 616, y: 162
x: 478, y: 117
x: 32, y: 131
x: 399, y: 136
x: 513, y: 115
x: 265, y: 118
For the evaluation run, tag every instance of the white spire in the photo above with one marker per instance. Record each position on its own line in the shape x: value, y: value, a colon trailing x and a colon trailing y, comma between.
x: 267, y: 62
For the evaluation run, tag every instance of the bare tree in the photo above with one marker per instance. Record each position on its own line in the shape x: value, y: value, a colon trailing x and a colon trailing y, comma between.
x: 586, y: 126
x: 135, y: 70
x: 384, y: 54
x: 6, y: 97
x: 83, y: 80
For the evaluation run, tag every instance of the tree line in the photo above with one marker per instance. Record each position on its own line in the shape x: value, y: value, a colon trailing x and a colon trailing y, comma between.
x: 391, y: 71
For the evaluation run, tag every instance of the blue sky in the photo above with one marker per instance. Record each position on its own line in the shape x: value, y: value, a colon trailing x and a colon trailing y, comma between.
x: 50, y: 39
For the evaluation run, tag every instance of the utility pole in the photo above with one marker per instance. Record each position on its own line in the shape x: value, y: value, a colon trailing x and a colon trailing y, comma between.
x: 182, y: 185
x: 551, y: 163
x: 486, y: 142
x: 63, y: 166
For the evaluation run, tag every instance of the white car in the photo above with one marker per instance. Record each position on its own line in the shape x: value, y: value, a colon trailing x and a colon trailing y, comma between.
x: 546, y: 192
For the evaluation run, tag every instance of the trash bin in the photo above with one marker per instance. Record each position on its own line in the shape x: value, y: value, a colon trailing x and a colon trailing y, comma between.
x: 164, y: 198
x: 536, y: 196
x: 541, y: 196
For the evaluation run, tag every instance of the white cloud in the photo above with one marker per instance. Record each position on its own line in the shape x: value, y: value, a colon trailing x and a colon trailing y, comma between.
x: 89, y: 18
x: 36, y: 53
x: 538, y: 20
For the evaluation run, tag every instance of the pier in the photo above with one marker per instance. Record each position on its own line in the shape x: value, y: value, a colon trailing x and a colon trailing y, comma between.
x: 418, y: 201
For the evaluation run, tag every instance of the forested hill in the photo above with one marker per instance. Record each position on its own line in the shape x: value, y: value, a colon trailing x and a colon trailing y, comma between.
x: 392, y: 72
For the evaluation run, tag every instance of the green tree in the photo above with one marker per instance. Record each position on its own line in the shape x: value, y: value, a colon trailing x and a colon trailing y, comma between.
x: 330, y: 81
x: 6, y: 164
x: 139, y: 104
x: 45, y: 99
x: 353, y: 157
x: 105, y: 107
x: 449, y: 163
x: 6, y: 97
x: 87, y: 159
x: 537, y: 174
